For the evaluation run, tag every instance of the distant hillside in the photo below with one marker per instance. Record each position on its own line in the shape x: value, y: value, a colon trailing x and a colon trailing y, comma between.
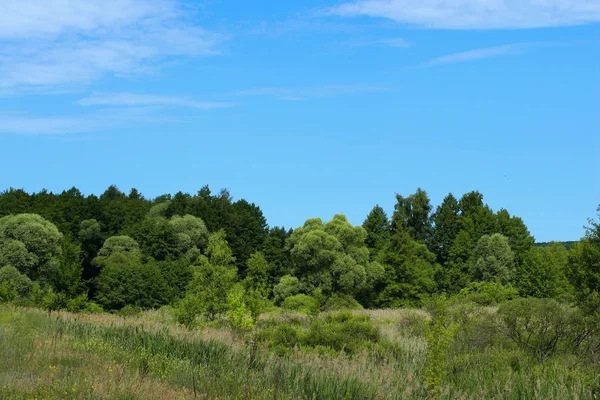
x: 567, y: 245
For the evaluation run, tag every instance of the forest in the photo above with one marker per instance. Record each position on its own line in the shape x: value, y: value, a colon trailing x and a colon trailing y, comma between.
x: 459, y: 279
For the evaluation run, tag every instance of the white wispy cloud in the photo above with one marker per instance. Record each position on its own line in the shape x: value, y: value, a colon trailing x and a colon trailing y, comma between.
x: 62, y: 42
x: 478, y: 54
x: 382, y: 42
x: 302, y: 93
x: 491, y: 52
x: 136, y: 100
x: 475, y: 14
x: 80, y: 123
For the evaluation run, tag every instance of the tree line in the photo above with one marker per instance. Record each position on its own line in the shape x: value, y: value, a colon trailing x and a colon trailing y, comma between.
x: 208, y: 254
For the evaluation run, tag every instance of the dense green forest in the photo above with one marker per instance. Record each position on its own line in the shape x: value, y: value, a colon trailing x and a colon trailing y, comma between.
x: 124, y: 250
x: 190, y: 296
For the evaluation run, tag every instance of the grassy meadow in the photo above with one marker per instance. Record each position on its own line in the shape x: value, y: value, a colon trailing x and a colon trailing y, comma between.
x: 370, y: 354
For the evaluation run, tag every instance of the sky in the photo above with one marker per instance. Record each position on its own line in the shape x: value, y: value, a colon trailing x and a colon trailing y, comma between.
x: 309, y: 108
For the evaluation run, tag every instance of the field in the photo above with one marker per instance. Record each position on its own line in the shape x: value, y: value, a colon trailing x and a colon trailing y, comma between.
x: 148, y: 356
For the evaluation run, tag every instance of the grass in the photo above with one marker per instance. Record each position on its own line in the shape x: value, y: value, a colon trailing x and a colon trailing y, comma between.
x: 80, y: 356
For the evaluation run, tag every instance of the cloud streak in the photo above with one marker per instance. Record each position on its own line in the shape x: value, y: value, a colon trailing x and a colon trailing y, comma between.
x: 106, y: 120
x: 317, y: 91
x: 478, y: 54
x: 70, y: 42
x: 475, y: 14
x: 136, y: 100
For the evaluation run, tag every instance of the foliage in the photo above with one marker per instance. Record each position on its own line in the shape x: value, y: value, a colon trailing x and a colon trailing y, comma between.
x: 332, y: 256
x: 288, y: 286
x: 338, y: 301
x: 446, y: 222
x: 302, y: 303
x: 438, y: 333
x: 13, y: 284
x: 543, y: 272
x: 334, y: 331
x: 31, y: 244
x: 584, y: 262
x: 238, y: 314
x: 126, y: 280
x: 544, y: 327
x: 213, y: 277
x: 69, y: 272
x: 120, y: 244
x: 410, y: 271
x: 412, y: 214
x: 377, y: 226
x: 493, y: 260
x: 487, y: 293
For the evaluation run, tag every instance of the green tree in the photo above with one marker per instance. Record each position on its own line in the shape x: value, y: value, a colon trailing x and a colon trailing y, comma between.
x: 377, y: 226
x: 412, y: 214
x: 410, y: 271
x: 31, y: 244
x: 192, y: 235
x: 69, y: 272
x: 288, y: 286
x: 126, y: 280
x: 331, y: 256
x: 543, y: 272
x: 120, y: 244
x: 259, y: 274
x: 456, y: 269
x: 13, y: 284
x: 446, y: 222
x: 584, y: 261
x: 519, y: 238
x: 493, y: 260
x: 213, y: 277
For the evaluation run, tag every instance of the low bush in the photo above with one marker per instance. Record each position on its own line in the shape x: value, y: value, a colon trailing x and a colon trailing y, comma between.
x: 339, y: 301
x: 337, y: 332
x: 544, y: 327
x: 301, y: 303
x: 486, y: 293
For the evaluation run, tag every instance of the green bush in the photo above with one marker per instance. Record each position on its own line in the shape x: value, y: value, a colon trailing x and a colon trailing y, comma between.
x: 334, y: 332
x: 342, y: 331
x: 13, y: 284
x: 544, y: 327
x: 340, y: 301
x: 129, y: 311
x: 478, y: 327
x: 486, y: 293
x: 301, y: 303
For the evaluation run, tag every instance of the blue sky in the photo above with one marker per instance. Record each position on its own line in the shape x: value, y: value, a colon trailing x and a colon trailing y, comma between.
x: 309, y: 108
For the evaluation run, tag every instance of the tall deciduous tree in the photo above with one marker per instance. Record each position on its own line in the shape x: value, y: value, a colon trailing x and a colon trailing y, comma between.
x: 493, y: 260
x: 584, y: 261
x: 412, y: 214
x: 213, y: 277
x: 31, y: 244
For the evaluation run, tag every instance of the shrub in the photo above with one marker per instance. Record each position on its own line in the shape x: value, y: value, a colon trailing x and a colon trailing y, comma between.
x: 487, y: 293
x: 13, y: 284
x: 238, y: 314
x: 478, y: 327
x: 342, y: 331
x: 334, y: 332
x: 302, y: 303
x: 542, y: 327
x: 339, y: 301
x: 129, y: 311
x: 288, y: 286
x: 438, y: 333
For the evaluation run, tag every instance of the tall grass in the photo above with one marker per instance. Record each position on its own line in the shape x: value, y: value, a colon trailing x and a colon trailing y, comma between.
x: 64, y: 355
